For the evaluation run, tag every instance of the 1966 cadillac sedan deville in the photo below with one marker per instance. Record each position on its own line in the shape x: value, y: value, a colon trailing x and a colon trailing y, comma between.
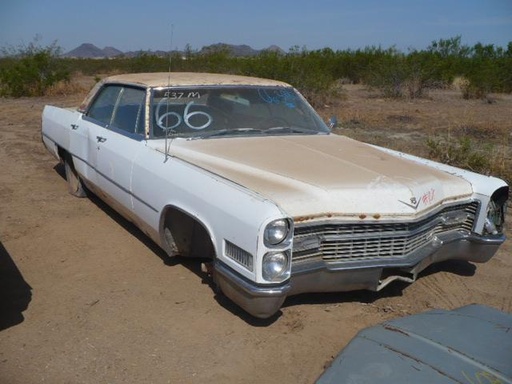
x: 244, y: 172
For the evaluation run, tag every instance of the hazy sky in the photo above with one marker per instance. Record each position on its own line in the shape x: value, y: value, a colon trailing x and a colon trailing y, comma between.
x: 338, y: 24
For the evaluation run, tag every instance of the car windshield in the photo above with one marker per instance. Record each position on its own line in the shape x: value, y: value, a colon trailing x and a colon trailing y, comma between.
x: 210, y: 112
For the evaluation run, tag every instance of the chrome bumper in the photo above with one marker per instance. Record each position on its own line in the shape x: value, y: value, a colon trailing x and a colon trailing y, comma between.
x: 259, y: 301
x: 264, y: 301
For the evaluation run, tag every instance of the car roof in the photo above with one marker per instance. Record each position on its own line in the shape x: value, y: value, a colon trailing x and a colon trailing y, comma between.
x: 174, y: 79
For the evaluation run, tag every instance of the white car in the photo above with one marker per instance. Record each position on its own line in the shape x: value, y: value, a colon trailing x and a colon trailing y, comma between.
x: 244, y: 172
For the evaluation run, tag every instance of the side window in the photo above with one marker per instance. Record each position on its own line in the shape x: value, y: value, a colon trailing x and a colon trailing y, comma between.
x: 103, y: 107
x: 129, y: 112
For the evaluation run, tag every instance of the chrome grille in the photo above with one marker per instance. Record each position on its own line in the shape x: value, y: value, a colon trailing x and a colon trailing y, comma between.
x: 374, y: 241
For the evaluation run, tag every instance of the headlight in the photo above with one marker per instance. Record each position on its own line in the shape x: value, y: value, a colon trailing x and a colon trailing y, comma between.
x: 276, y: 232
x: 495, y: 220
x: 276, y: 266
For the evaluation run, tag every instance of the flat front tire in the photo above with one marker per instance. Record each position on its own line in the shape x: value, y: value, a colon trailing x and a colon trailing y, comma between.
x: 75, y: 186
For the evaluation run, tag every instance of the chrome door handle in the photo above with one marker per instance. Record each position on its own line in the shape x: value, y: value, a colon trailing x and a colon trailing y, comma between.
x: 101, y: 139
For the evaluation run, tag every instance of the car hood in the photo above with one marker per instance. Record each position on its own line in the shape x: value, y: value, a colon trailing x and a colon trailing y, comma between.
x: 313, y: 177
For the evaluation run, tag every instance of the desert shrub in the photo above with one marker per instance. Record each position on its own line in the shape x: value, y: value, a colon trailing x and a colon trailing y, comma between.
x: 218, y: 60
x: 31, y: 70
x: 459, y: 83
x: 146, y: 62
x: 388, y: 74
x: 461, y: 152
x: 487, y: 71
x: 398, y: 75
x: 306, y: 71
x: 488, y: 159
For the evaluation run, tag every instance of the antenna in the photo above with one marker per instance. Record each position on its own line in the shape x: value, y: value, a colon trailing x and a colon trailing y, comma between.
x: 168, y: 98
x: 170, y: 55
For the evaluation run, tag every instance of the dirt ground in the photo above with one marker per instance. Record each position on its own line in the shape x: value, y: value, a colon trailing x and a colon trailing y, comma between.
x: 87, y: 298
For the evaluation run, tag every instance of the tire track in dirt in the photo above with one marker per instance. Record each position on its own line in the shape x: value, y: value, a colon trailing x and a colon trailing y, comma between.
x: 445, y: 289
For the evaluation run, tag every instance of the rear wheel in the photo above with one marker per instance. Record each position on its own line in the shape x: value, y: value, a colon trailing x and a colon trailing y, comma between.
x: 75, y: 186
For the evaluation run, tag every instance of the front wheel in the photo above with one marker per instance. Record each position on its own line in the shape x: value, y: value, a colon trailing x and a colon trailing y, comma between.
x: 75, y: 186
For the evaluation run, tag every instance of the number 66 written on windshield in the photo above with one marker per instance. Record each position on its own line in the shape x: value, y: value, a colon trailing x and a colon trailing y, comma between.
x: 162, y: 119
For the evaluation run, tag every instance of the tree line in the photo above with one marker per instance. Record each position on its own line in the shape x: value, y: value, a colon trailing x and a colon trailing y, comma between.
x: 478, y: 70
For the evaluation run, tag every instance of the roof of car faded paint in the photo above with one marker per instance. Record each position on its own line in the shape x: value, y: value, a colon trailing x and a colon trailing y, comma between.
x: 173, y: 79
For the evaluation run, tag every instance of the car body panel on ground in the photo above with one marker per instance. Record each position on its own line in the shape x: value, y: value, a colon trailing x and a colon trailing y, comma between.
x: 472, y: 344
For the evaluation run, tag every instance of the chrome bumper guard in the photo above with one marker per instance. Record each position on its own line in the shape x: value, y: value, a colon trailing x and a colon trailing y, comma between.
x: 259, y: 301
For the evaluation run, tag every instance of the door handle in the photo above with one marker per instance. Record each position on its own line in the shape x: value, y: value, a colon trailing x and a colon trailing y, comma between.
x: 74, y: 126
x: 101, y: 139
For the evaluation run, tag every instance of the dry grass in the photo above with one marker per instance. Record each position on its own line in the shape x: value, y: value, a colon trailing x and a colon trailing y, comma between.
x: 474, y: 134
x: 65, y: 88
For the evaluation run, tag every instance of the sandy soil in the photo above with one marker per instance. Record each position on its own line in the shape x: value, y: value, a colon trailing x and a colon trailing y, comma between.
x: 87, y: 298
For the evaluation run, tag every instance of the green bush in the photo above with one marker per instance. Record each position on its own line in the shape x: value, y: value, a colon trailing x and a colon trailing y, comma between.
x: 462, y: 153
x: 31, y: 70
x: 306, y: 71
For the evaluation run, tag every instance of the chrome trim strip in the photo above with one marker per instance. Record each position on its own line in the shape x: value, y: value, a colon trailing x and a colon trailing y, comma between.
x: 124, y: 189
x: 433, y: 212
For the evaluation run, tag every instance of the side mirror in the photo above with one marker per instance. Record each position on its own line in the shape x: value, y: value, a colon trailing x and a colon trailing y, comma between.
x: 333, y: 122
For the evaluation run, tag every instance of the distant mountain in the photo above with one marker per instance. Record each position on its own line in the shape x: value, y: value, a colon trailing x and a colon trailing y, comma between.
x: 275, y: 48
x: 90, y: 51
x: 111, y: 52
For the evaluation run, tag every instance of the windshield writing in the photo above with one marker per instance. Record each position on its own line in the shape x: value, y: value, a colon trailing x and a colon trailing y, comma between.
x: 240, y: 111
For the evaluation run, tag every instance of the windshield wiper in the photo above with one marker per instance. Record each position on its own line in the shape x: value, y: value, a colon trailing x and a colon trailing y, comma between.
x: 226, y: 132
x: 291, y: 130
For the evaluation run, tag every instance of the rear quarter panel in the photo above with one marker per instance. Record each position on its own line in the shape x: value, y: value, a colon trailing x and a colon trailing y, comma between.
x: 56, y: 127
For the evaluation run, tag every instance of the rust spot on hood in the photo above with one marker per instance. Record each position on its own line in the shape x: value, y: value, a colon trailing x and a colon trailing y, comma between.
x: 329, y: 215
x: 300, y: 219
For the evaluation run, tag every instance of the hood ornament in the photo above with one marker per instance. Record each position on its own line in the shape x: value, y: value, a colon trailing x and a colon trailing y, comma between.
x: 427, y: 198
x: 414, y: 203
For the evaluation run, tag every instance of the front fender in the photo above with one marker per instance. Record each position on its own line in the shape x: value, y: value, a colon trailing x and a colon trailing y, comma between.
x: 484, y: 187
x: 228, y: 212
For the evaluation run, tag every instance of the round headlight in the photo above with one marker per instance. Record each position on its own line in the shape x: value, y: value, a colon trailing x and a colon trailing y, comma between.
x: 276, y: 232
x: 275, y: 266
x: 495, y: 218
x: 496, y: 210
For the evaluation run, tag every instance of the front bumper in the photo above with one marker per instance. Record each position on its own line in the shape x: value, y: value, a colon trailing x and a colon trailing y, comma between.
x: 264, y: 301
x: 259, y: 301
